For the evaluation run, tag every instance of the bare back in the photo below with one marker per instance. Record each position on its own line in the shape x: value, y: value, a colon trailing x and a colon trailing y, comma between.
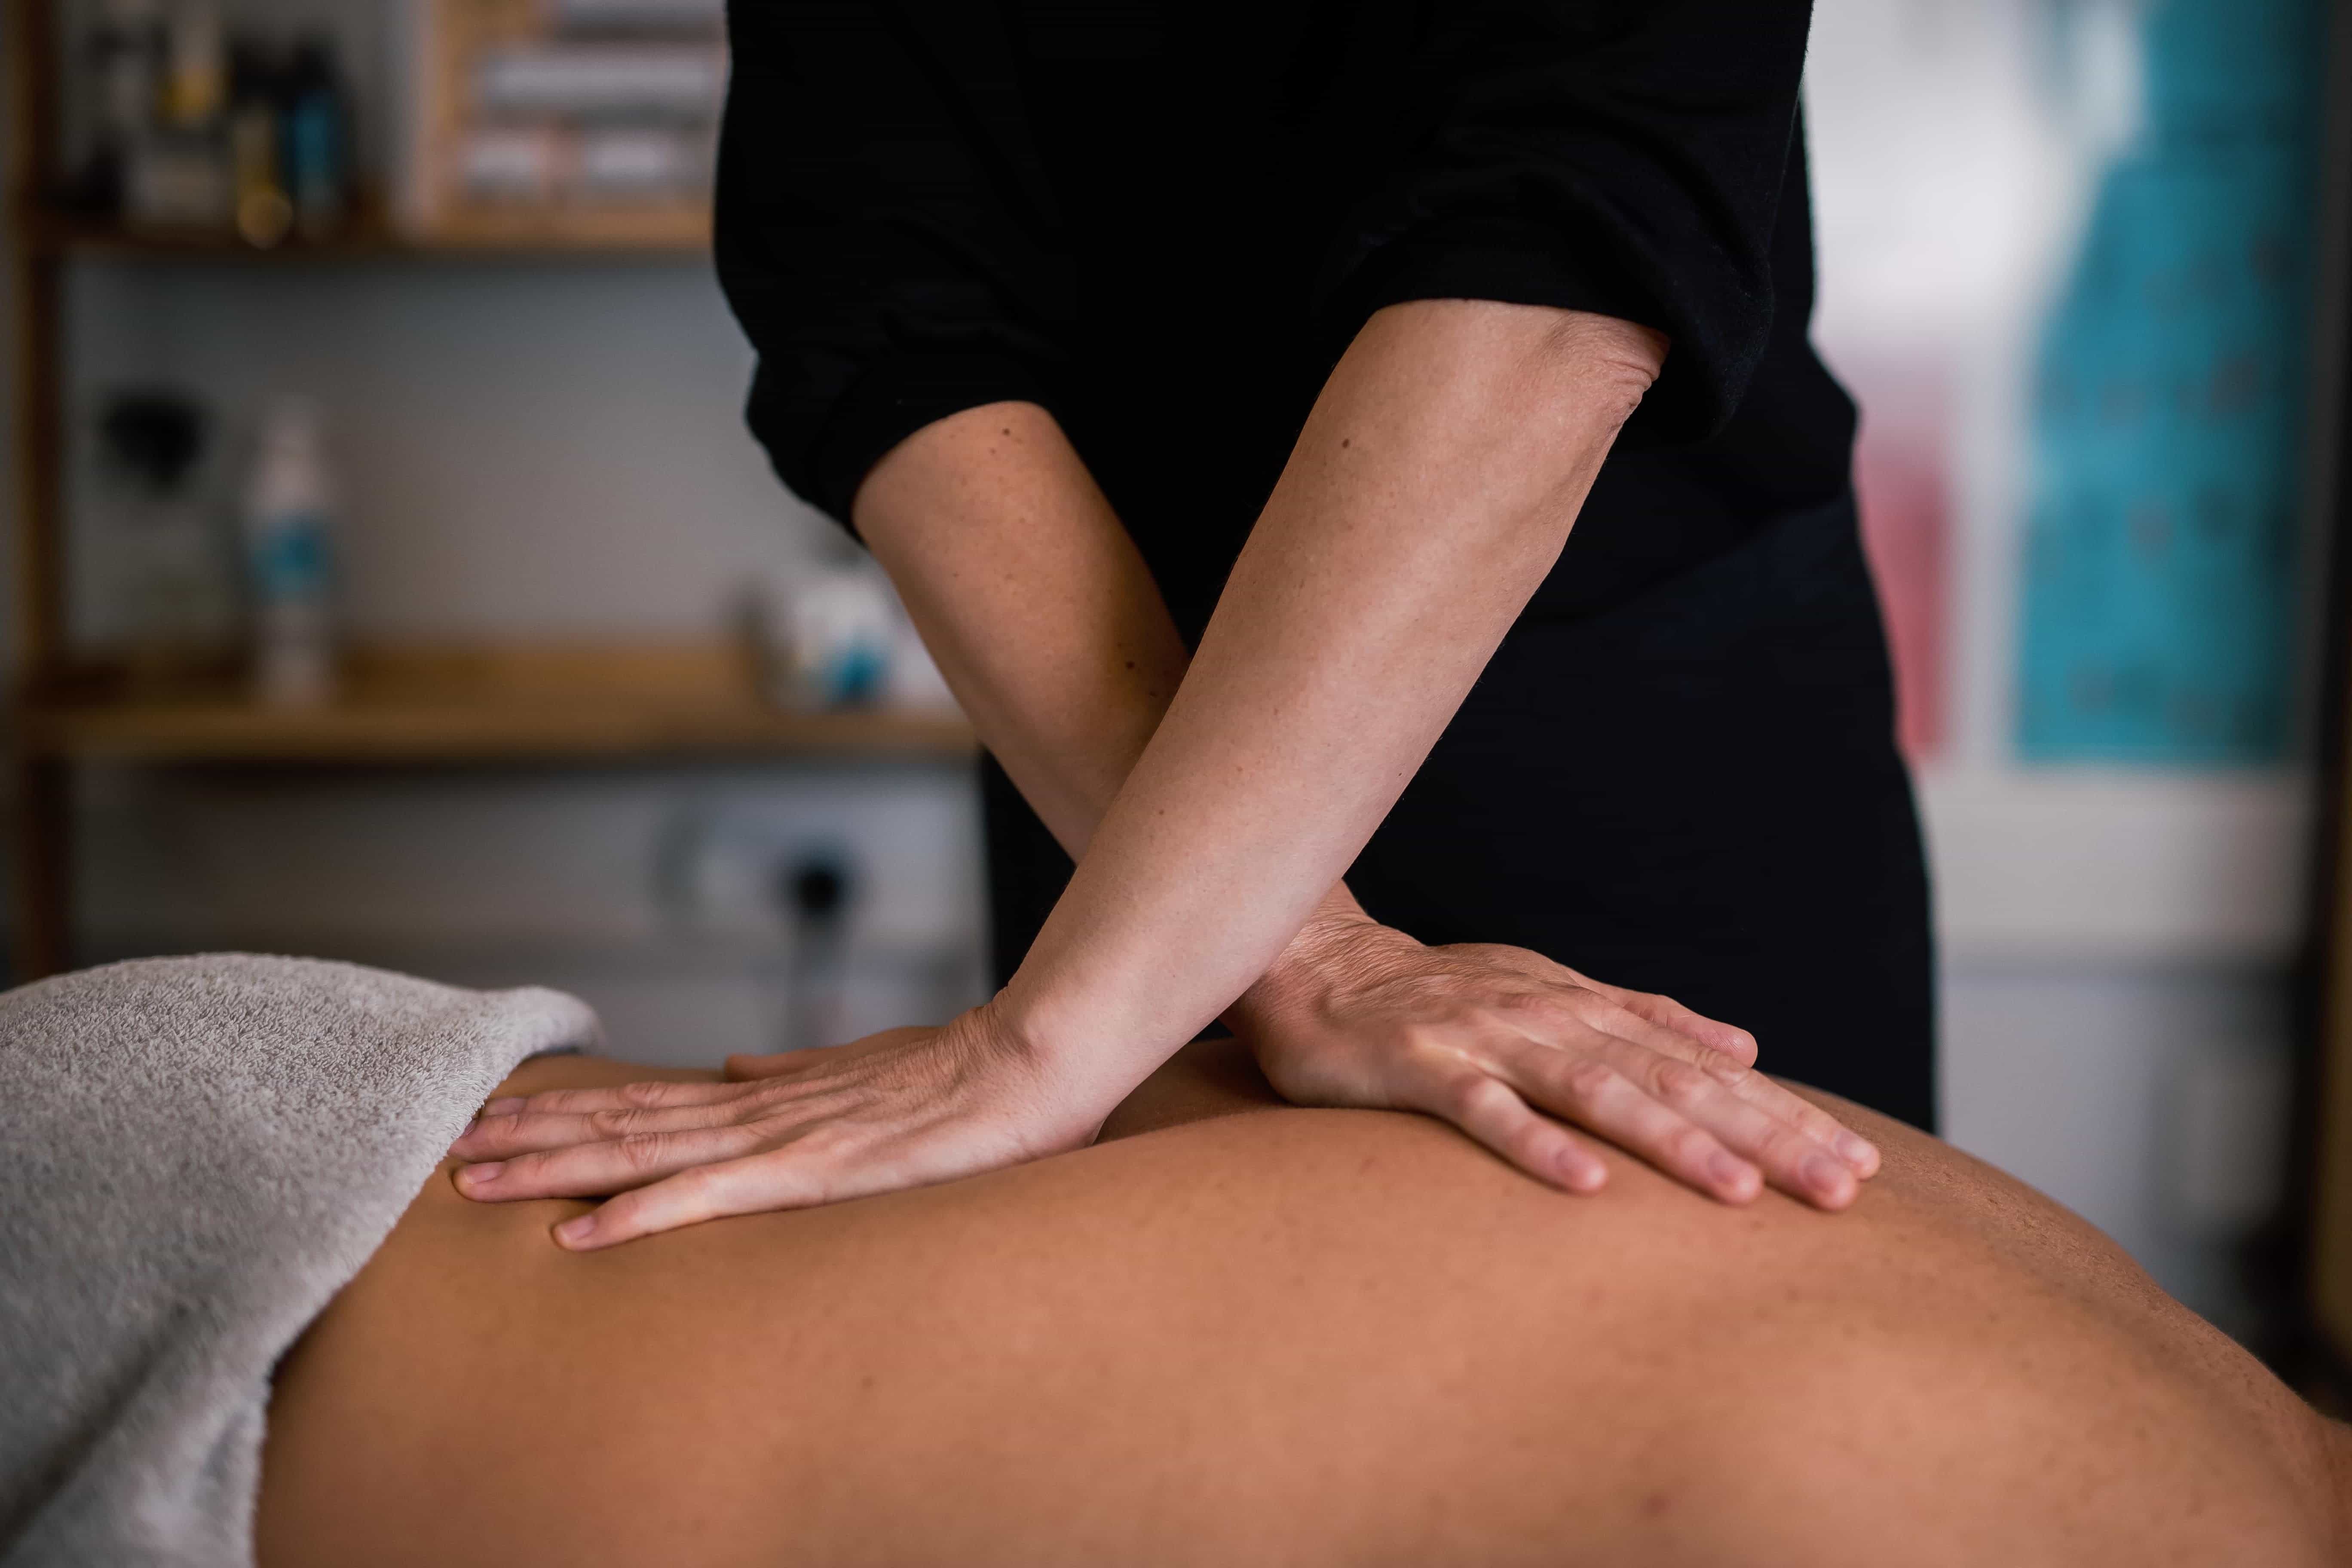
x: 1238, y: 1333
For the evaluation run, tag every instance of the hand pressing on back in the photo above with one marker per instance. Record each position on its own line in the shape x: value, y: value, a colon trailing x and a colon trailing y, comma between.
x: 1502, y: 1042
x: 1515, y: 1049
x: 904, y: 1107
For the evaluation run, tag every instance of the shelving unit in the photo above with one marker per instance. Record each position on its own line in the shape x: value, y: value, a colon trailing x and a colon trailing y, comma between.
x: 548, y: 703
x: 450, y: 702
x: 368, y: 236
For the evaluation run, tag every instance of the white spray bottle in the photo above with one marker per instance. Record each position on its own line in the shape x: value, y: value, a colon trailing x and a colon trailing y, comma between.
x: 289, y: 557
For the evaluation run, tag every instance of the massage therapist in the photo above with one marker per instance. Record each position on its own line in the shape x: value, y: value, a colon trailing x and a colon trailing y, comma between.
x: 1320, y: 440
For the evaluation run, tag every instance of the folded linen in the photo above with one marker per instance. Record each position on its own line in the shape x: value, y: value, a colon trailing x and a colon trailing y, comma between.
x: 195, y: 1154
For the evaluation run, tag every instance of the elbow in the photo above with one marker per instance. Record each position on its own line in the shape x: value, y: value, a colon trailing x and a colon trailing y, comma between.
x: 1610, y: 364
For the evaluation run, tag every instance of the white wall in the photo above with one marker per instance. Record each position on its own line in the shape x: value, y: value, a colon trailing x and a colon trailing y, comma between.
x: 2114, y: 943
x: 524, y: 446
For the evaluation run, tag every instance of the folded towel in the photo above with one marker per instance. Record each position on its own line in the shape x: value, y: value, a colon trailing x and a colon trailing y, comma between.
x: 195, y: 1154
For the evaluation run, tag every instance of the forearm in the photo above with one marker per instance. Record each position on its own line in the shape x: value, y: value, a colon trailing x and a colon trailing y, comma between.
x: 1431, y: 491
x: 1035, y: 603
x: 1032, y: 600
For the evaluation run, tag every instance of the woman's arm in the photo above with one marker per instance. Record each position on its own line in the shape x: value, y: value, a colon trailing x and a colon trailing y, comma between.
x: 1032, y: 599
x: 1429, y: 493
x: 1050, y: 629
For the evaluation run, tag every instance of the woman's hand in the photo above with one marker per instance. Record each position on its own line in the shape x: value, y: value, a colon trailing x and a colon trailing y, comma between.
x: 901, y: 1109
x: 1507, y: 1046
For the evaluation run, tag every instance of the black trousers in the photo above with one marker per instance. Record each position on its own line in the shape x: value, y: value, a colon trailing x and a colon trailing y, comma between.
x: 1696, y: 793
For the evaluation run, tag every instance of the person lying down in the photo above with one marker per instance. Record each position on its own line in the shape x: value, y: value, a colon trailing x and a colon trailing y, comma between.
x: 1234, y: 1331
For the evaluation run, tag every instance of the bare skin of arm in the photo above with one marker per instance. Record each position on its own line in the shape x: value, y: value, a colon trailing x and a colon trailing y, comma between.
x: 1237, y: 1334
x: 1432, y: 488
x: 1048, y: 626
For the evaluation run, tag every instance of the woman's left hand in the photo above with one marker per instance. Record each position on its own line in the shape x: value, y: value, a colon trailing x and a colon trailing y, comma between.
x: 1513, y: 1048
x: 905, y: 1108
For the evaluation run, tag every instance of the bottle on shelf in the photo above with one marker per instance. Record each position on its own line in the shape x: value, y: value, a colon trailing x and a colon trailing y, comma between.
x: 124, y: 66
x: 316, y: 158
x: 289, y: 561
x: 265, y: 213
x: 176, y: 173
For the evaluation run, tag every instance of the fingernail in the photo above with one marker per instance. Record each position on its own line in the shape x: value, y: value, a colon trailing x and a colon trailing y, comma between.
x: 572, y: 1232
x: 1731, y: 1170
x: 1826, y: 1176
x: 481, y: 1176
x: 1858, y: 1151
x: 510, y: 1105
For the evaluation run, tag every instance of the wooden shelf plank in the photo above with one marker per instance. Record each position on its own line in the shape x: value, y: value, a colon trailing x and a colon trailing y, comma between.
x: 370, y: 239
x: 544, y: 700
x: 457, y: 732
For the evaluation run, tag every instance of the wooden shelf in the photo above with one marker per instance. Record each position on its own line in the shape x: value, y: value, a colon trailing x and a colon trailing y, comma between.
x: 482, y: 702
x: 618, y: 235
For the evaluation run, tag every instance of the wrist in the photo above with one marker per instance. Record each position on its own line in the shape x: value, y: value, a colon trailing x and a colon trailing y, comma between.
x: 1054, y: 1045
x: 1337, y: 942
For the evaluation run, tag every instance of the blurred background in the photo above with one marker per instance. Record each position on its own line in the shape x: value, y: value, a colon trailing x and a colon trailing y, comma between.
x: 395, y: 580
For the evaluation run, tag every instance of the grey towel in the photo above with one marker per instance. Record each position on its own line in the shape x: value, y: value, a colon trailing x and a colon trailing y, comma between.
x: 195, y: 1154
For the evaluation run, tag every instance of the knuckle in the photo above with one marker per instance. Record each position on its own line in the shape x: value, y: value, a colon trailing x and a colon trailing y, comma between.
x: 1687, y: 1144
x: 1726, y: 1068
x: 1588, y: 1082
x: 646, y: 1093
x: 1589, y: 1008
x: 692, y: 1193
x: 828, y: 1142
x: 1677, y: 1082
x: 1474, y: 1095
x: 642, y: 1151
x: 1784, y: 1147
x: 612, y: 1123
x: 1534, y: 1146
x: 1422, y: 1037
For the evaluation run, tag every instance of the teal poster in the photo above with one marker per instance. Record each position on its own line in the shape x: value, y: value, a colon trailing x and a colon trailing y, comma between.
x: 2159, y: 606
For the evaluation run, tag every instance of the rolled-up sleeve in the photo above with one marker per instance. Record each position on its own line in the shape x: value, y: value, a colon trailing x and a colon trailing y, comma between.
x: 1624, y: 158
x: 881, y: 230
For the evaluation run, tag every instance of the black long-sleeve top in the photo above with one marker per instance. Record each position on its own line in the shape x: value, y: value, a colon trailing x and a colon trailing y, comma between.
x: 1163, y: 222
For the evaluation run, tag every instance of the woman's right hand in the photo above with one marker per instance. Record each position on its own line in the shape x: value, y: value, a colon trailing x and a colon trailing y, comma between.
x: 905, y: 1108
x: 1514, y: 1049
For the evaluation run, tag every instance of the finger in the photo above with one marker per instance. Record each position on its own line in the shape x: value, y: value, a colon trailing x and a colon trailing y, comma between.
x: 1488, y: 1111
x: 1728, y: 1038
x: 593, y: 1169
x: 1630, y: 1027
x: 1731, y: 1040
x: 648, y: 1094
x: 1790, y: 1160
x: 1590, y: 1093
x: 1775, y: 1099
x: 742, y: 1066
x: 1858, y: 1153
x: 501, y: 1137
x: 778, y: 1179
